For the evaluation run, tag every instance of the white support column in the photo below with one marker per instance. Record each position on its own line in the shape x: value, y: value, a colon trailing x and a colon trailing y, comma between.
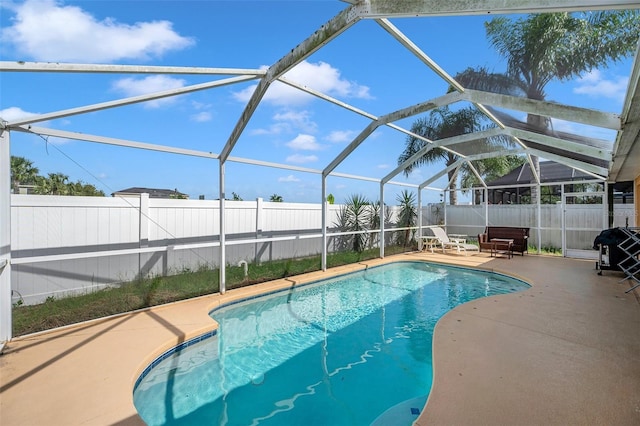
x: 324, y: 222
x: 223, y: 261
x: 444, y: 209
x: 539, y: 219
x: 419, y: 218
x: 259, y: 227
x: 605, y: 206
x: 563, y: 222
x: 486, y: 207
x: 5, y: 240
x: 381, y: 213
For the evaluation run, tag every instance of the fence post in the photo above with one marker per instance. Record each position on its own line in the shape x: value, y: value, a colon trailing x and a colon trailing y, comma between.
x: 143, y: 229
x: 168, y: 260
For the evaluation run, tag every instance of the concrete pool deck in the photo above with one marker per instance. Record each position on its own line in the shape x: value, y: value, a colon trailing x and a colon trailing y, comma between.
x: 566, y: 352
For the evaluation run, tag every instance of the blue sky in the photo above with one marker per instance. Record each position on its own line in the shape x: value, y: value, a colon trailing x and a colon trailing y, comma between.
x: 364, y: 67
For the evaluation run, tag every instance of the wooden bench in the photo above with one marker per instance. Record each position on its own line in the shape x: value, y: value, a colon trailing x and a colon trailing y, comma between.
x: 519, y: 235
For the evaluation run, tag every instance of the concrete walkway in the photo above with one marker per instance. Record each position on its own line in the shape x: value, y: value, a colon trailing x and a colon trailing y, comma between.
x: 566, y: 351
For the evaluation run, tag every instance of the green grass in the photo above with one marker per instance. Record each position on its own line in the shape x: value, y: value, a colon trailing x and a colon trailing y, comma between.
x: 159, y: 290
x: 548, y: 250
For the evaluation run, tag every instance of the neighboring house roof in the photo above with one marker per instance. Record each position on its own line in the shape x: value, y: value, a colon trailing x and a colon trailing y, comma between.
x: 550, y: 171
x: 153, y: 192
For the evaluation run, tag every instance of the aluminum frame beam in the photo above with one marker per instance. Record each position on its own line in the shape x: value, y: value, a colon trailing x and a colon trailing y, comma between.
x: 394, y: 116
x: 374, y: 9
x: 591, y: 169
x: 84, y: 137
x: 625, y: 141
x: 325, y: 34
x: 564, y: 144
x: 588, y: 116
x: 443, y: 143
x: 129, y: 101
x: 441, y: 173
x: 21, y: 66
x: 113, y: 141
x: 417, y: 52
x: 348, y: 107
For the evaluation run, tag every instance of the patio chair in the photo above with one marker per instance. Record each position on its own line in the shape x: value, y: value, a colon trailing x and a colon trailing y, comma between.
x: 452, y: 243
x: 484, y: 243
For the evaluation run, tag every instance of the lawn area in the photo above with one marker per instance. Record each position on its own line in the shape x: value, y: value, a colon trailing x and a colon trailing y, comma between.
x: 159, y: 290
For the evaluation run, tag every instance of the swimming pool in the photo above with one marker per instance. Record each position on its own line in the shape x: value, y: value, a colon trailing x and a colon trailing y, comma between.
x: 352, y: 350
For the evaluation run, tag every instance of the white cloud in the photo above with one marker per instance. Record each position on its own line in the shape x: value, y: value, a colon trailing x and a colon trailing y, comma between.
x: 304, y: 143
x: 156, y: 83
x: 15, y: 113
x: 204, y: 114
x: 274, y: 129
x: 319, y: 76
x: 287, y: 121
x: 290, y: 178
x: 300, y: 120
x: 340, y: 136
x: 595, y: 85
x: 200, y: 105
x: 383, y: 166
x: 301, y: 159
x: 201, y: 117
x: 47, y: 30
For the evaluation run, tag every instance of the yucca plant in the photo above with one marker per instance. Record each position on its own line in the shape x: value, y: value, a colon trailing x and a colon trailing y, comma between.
x: 358, y: 216
x: 341, y: 242
x: 407, y: 217
x: 374, y: 223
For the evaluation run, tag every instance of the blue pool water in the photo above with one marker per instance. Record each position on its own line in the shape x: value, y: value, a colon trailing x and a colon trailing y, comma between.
x: 353, y: 350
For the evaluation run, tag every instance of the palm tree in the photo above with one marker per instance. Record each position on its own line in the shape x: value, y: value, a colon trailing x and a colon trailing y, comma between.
x: 440, y: 123
x: 22, y: 172
x: 275, y: 198
x: 552, y: 46
x: 86, y: 189
x: 53, y: 184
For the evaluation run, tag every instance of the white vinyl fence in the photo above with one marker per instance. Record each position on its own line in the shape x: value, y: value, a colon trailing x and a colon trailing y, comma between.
x: 65, y: 245
x: 583, y: 222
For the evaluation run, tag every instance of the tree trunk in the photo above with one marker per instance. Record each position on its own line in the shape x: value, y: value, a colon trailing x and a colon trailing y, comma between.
x: 539, y: 124
x: 453, y: 194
